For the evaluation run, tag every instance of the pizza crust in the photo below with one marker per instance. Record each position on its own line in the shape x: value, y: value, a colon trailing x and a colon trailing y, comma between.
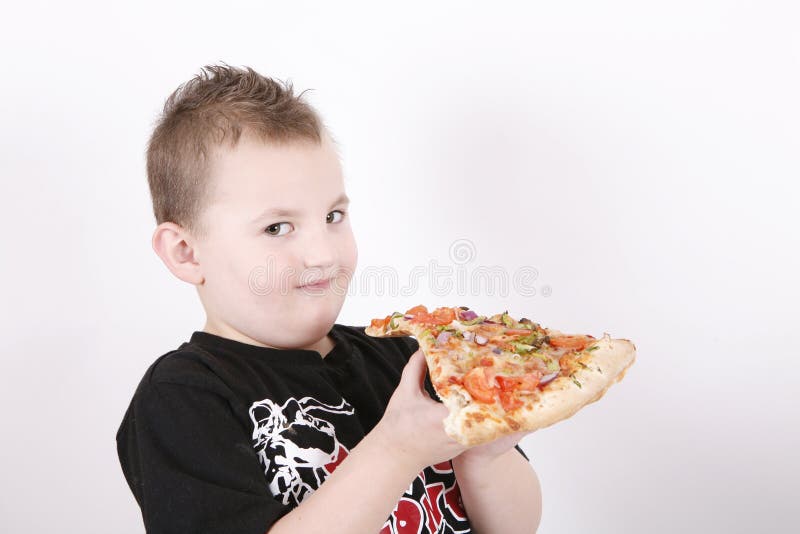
x: 472, y: 423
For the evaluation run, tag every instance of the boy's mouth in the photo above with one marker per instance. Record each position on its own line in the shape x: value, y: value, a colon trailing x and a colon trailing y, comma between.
x: 319, y: 284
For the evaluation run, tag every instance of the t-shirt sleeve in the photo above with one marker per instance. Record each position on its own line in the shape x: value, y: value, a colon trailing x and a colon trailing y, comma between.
x: 190, y: 464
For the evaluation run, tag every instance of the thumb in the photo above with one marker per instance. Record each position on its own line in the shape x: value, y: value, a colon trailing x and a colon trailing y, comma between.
x: 414, y: 372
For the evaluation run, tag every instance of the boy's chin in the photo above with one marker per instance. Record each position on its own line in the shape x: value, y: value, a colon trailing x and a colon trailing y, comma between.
x: 319, y: 316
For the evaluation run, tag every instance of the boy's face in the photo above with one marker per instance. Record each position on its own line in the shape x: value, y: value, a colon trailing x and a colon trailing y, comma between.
x: 277, y: 219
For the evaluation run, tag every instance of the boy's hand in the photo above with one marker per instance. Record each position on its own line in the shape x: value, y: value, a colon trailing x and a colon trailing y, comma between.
x: 411, y: 429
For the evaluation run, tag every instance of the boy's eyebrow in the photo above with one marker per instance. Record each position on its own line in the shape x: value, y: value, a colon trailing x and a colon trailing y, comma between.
x: 285, y: 212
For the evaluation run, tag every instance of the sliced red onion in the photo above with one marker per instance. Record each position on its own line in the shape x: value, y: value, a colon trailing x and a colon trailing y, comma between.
x: 408, y: 317
x: 443, y: 337
x: 468, y: 336
x: 547, y: 378
x: 497, y: 350
x: 481, y: 340
x: 468, y: 315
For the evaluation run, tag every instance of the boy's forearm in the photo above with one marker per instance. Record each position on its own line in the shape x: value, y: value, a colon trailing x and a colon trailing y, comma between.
x: 503, y: 496
x: 357, y: 497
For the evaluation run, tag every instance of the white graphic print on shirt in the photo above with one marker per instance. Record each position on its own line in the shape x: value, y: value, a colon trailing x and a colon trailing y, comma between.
x: 296, y: 446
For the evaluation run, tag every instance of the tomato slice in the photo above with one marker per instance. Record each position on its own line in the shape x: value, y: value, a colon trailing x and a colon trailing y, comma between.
x: 477, y: 385
x: 443, y: 315
x: 380, y: 323
x: 425, y: 318
x: 571, y: 342
x: 417, y: 309
x: 439, y: 316
x: 529, y: 381
x: 420, y: 314
x: 517, y: 331
x: 509, y: 401
x: 526, y: 382
x: 507, y: 383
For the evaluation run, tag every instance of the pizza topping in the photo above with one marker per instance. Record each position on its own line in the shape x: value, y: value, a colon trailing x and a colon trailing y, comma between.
x: 439, y: 316
x: 380, y: 323
x: 521, y: 348
x: 475, y: 320
x: 477, y: 384
x: 509, y: 401
x: 442, y: 338
x: 444, y: 315
x: 528, y: 323
x: 467, y: 315
x: 569, y: 363
x: 552, y: 365
x: 512, y: 358
x: 426, y: 336
x: 546, y: 379
x: 393, y: 320
x: 416, y: 310
x: 570, y: 342
x: 517, y: 331
x: 524, y: 383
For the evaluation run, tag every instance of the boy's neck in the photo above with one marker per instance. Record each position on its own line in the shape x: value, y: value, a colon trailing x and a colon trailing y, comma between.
x: 323, y: 346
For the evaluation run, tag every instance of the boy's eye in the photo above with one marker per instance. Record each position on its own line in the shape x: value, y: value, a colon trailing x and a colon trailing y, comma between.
x: 275, y: 229
x: 332, y: 218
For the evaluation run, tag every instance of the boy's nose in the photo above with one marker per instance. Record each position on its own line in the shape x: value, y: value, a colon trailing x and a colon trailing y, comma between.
x: 319, y: 254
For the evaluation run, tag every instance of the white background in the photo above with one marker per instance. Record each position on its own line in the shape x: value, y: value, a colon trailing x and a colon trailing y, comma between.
x: 642, y: 156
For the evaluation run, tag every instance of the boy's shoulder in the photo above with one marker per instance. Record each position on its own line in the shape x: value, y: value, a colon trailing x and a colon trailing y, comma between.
x: 188, y: 365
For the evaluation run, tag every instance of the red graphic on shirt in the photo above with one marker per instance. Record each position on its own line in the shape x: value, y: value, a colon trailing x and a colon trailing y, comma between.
x: 431, y: 505
x: 340, y: 455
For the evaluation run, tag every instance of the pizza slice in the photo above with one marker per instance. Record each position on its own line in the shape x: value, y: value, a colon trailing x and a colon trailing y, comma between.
x: 498, y: 375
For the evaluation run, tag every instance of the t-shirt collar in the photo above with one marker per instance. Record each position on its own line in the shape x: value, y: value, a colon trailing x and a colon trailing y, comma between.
x: 339, y: 353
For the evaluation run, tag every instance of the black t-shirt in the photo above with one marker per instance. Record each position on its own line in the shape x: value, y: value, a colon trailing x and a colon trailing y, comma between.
x: 226, y: 437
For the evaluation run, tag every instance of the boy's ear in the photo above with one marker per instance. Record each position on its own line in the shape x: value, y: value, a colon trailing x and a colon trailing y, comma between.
x: 175, y: 246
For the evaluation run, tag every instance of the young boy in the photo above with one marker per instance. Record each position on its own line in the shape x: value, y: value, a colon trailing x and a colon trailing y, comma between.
x: 234, y: 429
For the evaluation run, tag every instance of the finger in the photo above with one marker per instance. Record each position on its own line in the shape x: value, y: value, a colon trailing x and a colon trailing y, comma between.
x: 414, y: 372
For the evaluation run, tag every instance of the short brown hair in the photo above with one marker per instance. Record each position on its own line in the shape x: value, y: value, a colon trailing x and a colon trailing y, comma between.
x: 210, y: 111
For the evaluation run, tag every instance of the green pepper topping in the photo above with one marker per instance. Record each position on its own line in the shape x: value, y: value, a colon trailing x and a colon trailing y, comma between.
x: 476, y: 320
x: 392, y: 321
x: 521, y: 348
x: 530, y: 339
x: 426, y: 334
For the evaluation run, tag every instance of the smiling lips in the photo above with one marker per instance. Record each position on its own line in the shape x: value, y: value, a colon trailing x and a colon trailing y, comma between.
x: 319, y: 284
